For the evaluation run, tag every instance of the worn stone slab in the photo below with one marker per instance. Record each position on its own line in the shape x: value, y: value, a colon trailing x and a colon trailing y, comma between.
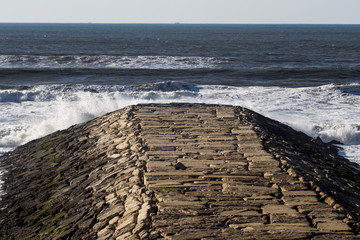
x: 248, y: 189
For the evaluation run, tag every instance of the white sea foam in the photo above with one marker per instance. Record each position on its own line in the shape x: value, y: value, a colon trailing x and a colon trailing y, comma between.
x: 329, y: 111
x: 1, y: 183
x: 106, y: 62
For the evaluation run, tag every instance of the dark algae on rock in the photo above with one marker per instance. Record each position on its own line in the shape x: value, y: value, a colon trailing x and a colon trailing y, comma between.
x: 179, y: 171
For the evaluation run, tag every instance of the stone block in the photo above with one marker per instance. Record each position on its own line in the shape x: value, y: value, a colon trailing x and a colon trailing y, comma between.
x: 299, y: 200
x: 333, y: 226
x: 247, y: 190
x: 110, y: 212
x: 123, y: 146
x: 105, y: 233
x: 162, y: 147
x: 126, y: 224
x: 278, y: 209
x: 289, y: 228
x: 114, y: 220
x: 300, y: 193
x: 287, y: 218
x: 293, y: 186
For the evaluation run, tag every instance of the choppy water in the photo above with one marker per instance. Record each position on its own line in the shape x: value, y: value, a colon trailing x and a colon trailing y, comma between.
x: 56, y: 75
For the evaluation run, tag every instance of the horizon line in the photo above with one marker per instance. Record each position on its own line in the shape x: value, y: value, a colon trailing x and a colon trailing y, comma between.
x: 179, y: 23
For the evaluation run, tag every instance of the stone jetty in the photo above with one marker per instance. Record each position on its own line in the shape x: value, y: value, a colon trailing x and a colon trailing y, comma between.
x: 179, y: 171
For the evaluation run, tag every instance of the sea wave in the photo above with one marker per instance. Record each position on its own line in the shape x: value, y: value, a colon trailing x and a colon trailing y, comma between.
x: 329, y: 111
x: 35, y: 62
x: 98, y: 62
x: 114, y: 70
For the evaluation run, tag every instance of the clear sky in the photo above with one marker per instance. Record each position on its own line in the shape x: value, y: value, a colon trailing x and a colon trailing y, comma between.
x: 184, y: 11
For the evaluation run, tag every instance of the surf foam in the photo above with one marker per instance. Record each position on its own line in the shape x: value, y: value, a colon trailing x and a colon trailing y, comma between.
x: 329, y: 111
x: 106, y: 62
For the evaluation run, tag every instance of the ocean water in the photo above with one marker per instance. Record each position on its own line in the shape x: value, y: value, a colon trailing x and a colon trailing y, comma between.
x: 55, y: 75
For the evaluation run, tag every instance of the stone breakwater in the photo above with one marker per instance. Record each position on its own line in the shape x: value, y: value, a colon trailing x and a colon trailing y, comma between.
x: 179, y: 171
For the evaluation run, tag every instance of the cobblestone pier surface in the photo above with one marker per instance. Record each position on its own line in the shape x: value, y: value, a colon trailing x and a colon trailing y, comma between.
x: 179, y: 171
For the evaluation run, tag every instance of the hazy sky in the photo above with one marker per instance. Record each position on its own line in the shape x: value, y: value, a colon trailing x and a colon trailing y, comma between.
x: 184, y: 11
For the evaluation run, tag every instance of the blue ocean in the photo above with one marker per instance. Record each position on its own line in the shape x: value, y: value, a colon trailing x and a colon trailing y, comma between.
x: 53, y: 76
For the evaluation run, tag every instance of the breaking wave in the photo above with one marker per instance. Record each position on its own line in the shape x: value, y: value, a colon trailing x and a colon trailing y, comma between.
x: 106, y: 62
x: 329, y: 111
